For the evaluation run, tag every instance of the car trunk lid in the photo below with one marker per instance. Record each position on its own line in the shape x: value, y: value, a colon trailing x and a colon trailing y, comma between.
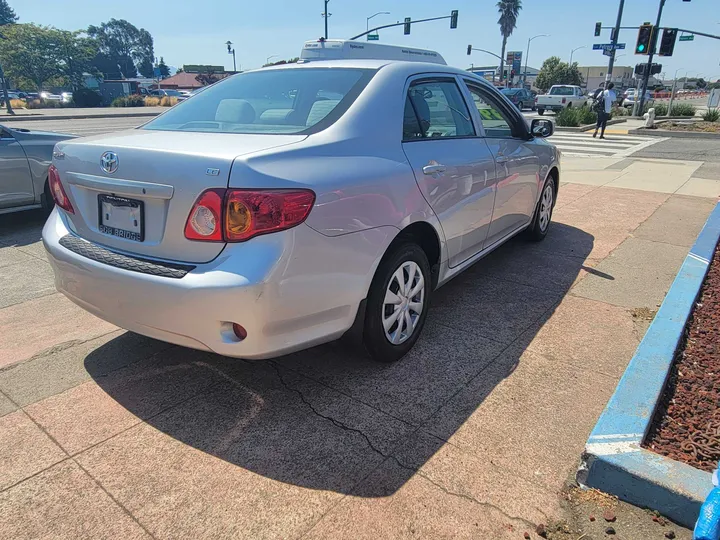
x: 141, y: 206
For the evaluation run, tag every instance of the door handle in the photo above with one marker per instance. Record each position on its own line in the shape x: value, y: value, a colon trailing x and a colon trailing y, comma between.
x: 432, y: 169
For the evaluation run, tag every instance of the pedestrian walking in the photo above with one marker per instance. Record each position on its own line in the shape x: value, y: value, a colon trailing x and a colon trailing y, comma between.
x: 603, y: 107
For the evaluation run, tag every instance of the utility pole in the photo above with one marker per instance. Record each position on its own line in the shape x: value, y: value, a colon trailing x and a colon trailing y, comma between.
x: 640, y: 105
x: 5, y: 90
x: 614, y: 41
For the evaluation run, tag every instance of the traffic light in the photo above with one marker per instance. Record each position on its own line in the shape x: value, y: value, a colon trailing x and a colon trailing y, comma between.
x: 640, y: 69
x: 469, y: 49
x: 644, y: 39
x: 453, y: 19
x: 406, y: 29
x: 598, y: 27
x: 512, y: 74
x: 667, y: 43
x: 655, y: 68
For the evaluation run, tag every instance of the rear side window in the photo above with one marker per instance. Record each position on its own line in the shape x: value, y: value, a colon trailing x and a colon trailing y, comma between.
x: 276, y: 101
x: 435, y: 109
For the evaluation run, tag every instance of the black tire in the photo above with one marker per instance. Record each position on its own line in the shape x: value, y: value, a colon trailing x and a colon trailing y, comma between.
x: 46, y: 199
x: 541, y: 111
x: 376, y: 343
x: 520, y: 106
x: 536, y: 232
x: 569, y: 105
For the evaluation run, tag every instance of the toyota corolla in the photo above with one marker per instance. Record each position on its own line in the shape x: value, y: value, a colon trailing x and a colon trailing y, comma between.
x: 285, y: 207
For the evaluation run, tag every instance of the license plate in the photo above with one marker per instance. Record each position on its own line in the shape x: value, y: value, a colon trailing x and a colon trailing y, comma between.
x: 121, y: 217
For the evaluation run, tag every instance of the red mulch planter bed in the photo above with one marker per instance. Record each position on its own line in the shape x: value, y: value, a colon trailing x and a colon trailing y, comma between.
x: 686, y: 426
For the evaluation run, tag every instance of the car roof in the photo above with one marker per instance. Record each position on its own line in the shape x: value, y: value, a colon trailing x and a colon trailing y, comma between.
x: 401, y: 65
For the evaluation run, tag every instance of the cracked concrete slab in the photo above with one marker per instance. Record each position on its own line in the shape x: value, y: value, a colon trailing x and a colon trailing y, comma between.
x: 677, y: 221
x: 64, y: 502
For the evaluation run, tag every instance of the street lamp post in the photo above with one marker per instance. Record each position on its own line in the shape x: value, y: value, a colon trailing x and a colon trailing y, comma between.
x: 325, y: 15
x: 367, y: 24
x: 267, y: 60
x: 528, y: 54
x: 672, y: 92
x: 576, y: 49
x: 231, y: 50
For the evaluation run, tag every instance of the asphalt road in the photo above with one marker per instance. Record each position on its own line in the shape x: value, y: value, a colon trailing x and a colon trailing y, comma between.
x: 82, y: 126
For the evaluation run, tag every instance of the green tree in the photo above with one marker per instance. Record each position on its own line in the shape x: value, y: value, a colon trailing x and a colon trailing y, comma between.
x: 509, y: 11
x: 7, y: 15
x: 76, y: 53
x: 125, y: 45
x: 164, y: 69
x: 29, y: 55
x: 554, y: 71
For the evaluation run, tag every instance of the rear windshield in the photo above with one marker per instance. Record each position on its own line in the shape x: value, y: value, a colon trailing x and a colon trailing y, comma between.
x: 510, y: 91
x: 278, y: 101
x: 561, y: 91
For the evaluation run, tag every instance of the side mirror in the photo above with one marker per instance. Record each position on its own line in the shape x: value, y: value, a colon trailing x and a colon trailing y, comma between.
x: 542, y: 127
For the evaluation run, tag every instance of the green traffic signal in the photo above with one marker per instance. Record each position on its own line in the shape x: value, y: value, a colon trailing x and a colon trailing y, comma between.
x: 644, y: 39
x: 641, y: 48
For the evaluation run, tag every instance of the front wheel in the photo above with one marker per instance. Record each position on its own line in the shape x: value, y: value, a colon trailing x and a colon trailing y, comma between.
x: 520, y: 106
x: 543, y: 212
x: 397, y: 304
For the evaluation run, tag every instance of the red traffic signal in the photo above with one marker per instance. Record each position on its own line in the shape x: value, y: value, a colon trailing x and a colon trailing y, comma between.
x: 667, y: 42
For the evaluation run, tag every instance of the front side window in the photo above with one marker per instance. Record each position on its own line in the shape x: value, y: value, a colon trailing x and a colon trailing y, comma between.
x: 494, y: 119
x: 277, y: 101
x: 435, y: 109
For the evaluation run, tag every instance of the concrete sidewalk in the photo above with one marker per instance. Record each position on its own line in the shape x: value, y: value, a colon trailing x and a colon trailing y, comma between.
x: 475, y: 434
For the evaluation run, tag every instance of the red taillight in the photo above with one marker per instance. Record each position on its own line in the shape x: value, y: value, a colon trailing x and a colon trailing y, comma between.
x: 205, y: 219
x: 564, y: 100
x: 57, y: 191
x: 236, y: 215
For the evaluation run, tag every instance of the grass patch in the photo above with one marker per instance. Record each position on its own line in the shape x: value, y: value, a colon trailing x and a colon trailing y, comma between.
x: 712, y: 115
x: 132, y: 100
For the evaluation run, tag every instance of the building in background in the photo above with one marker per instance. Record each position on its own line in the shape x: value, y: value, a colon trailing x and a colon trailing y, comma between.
x: 487, y: 72
x: 594, y: 76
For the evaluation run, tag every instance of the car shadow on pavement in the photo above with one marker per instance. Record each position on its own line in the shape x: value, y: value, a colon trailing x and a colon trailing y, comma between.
x: 327, y: 418
x: 22, y: 228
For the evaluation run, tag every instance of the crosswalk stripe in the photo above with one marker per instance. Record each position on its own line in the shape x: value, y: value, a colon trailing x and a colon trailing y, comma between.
x: 594, y: 145
x: 620, y: 138
x: 586, y: 150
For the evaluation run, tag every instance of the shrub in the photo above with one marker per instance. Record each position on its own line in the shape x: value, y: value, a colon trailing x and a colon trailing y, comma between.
x: 586, y: 116
x: 17, y: 103
x: 661, y: 109
x: 712, y: 115
x: 683, y: 109
x: 168, y: 101
x: 84, y: 97
x: 133, y: 100
x: 152, y: 101
x: 44, y: 104
x: 619, y: 111
x: 568, y: 117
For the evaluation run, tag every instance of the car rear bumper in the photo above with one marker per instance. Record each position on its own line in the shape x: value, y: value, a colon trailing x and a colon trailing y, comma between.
x: 289, y: 290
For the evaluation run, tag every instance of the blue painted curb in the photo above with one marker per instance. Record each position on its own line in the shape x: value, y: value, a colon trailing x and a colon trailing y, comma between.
x: 613, y: 460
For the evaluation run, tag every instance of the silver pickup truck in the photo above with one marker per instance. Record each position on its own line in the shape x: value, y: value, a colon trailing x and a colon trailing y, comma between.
x: 560, y: 96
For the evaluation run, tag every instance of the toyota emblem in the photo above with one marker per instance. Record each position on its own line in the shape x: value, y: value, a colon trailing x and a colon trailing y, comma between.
x: 109, y: 162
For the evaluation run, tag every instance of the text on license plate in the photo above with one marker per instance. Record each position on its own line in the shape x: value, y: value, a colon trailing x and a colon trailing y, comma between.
x: 121, y: 217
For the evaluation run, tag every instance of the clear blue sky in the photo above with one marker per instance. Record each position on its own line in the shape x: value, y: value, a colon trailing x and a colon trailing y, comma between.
x: 196, y: 35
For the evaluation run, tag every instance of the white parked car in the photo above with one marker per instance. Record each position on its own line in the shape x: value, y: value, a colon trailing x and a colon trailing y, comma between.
x: 561, y: 96
x: 284, y: 207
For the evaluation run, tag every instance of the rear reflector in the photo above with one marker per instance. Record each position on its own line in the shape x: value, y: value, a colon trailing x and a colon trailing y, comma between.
x: 57, y: 191
x: 239, y: 331
x: 236, y: 215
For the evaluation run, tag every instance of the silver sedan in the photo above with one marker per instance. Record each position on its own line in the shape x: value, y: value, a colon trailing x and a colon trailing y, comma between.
x: 289, y: 206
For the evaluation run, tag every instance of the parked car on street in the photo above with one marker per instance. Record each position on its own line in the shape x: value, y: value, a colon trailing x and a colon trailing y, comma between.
x: 66, y: 97
x: 632, y: 95
x: 49, y: 96
x: 24, y: 160
x: 169, y: 93
x: 288, y: 206
x: 561, y: 96
x: 520, y: 97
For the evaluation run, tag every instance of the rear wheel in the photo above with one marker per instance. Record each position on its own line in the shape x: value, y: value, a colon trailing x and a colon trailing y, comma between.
x: 46, y: 199
x: 541, y: 111
x: 397, y: 304
x: 543, y: 212
x: 520, y: 105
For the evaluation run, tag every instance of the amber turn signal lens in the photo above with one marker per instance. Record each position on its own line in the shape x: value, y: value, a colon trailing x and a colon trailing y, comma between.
x: 238, y: 219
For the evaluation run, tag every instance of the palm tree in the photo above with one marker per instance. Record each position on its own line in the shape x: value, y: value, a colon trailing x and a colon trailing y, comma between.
x: 509, y: 11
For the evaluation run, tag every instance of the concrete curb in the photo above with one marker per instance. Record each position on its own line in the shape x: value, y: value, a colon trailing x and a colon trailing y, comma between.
x: 21, y: 118
x: 613, y: 460
x: 589, y: 127
x: 678, y: 134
